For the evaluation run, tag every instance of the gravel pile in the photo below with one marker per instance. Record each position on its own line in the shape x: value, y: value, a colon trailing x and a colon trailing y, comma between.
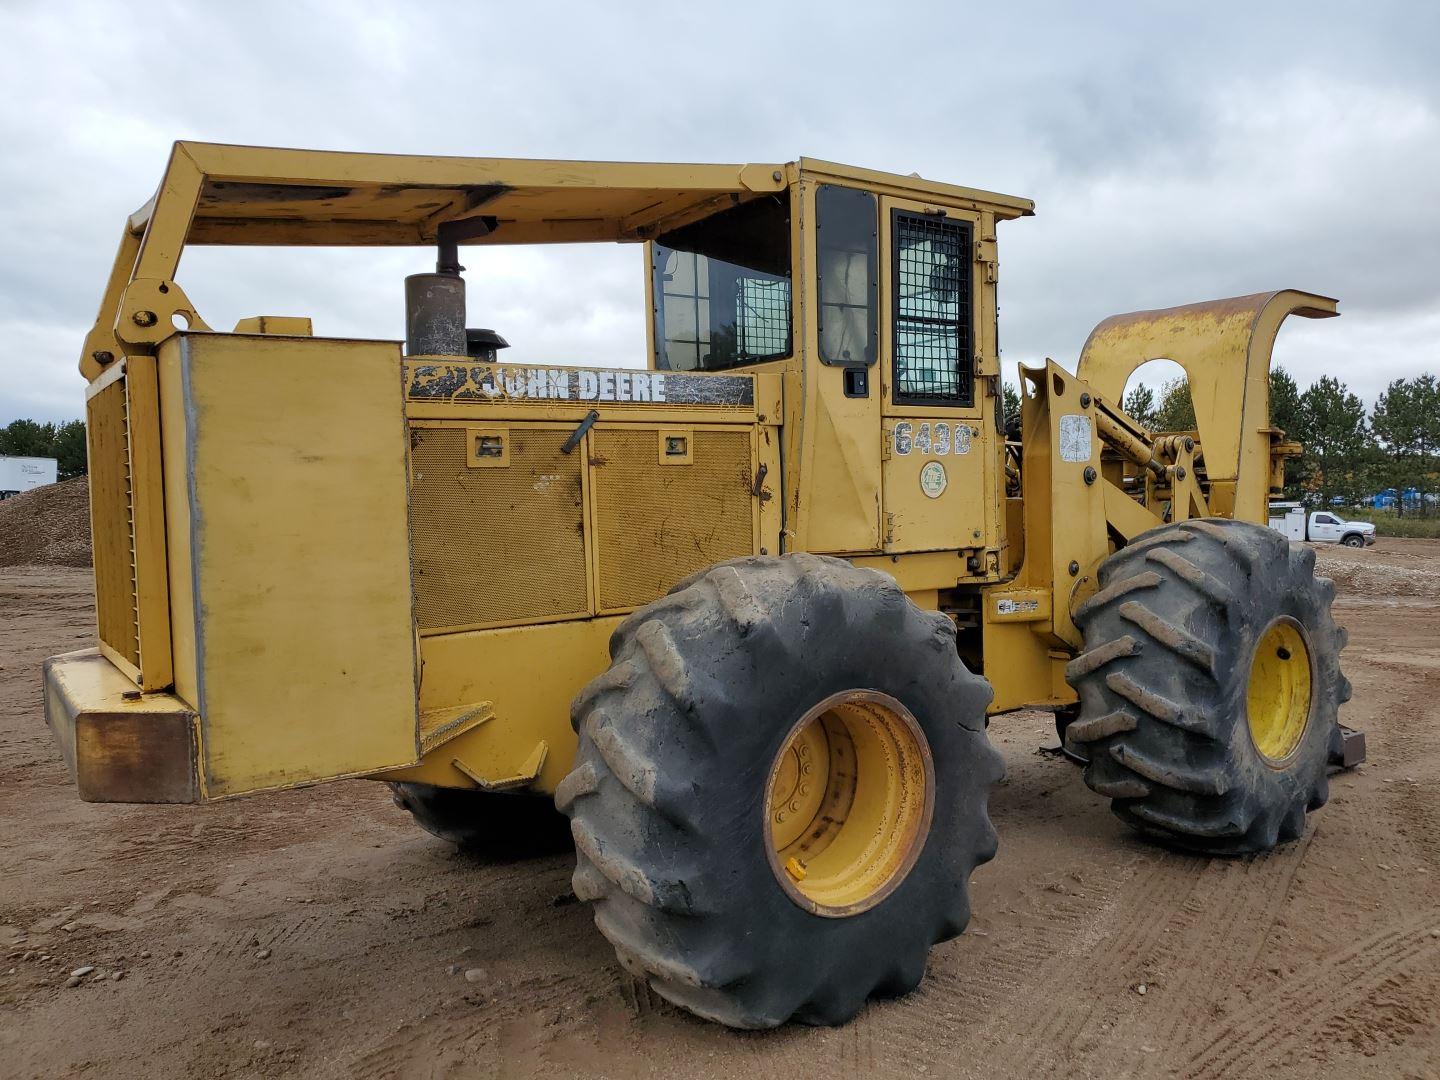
x: 49, y: 526
x: 1378, y: 572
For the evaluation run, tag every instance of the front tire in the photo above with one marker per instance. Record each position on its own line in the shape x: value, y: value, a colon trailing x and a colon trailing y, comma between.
x: 1210, y: 685
x: 1354, y: 540
x: 695, y: 746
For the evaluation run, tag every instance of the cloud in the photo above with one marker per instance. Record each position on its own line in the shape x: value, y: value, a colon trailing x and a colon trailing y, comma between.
x: 1174, y: 154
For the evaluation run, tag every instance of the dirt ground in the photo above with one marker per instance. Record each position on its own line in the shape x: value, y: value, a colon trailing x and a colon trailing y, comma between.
x: 319, y: 933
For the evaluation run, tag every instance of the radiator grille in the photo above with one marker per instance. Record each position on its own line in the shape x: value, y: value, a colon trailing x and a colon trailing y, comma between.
x: 496, y: 545
x: 112, y: 521
x: 656, y: 524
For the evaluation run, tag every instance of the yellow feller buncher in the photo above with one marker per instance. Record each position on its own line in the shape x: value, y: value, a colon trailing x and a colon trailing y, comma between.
x: 744, y: 612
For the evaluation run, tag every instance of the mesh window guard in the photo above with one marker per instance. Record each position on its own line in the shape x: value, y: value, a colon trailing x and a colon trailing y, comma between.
x: 762, y: 318
x: 933, y: 361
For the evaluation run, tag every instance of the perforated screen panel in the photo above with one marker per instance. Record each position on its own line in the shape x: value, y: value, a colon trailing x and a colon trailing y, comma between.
x: 656, y: 524
x: 933, y: 359
x: 496, y: 545
x: 112, y: 521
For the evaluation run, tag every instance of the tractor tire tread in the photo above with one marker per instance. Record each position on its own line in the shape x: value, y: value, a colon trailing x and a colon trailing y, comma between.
x: 1164, y: 724
x: 658, y: 833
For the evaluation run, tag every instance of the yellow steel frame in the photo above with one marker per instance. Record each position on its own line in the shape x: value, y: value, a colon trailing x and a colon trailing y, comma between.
x: 492, y: 700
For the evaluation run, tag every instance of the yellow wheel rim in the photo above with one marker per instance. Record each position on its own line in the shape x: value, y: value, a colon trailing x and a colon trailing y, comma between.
x: 1278, y: 699
x: 848, y: 803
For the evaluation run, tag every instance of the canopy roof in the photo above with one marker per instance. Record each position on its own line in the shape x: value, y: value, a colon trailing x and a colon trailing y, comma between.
x: 256, y: 196
x: 253, y: 196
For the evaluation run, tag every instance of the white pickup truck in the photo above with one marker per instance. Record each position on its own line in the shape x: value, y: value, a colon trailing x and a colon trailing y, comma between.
x: 1320, y: 526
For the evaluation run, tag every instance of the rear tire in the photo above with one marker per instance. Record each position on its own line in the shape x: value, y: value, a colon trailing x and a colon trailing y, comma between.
x: 486, y: 823
x: 681, y: 744
x: 1207, y: 641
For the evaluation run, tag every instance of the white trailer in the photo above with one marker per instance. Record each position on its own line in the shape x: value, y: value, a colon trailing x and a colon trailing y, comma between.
x: 19, y: 474
x: 1288, y: 518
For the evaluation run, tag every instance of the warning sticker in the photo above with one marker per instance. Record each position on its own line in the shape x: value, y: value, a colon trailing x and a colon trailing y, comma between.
x: 1075, y: 438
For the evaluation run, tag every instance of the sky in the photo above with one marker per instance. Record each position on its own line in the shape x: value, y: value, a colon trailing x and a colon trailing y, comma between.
x: 1176, y: 152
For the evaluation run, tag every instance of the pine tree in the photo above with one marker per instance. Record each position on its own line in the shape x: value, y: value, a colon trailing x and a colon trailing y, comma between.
x: 1177, y: 409
x: 1406, y: 421
x: 1337, y: 438
x: 69, y: 449
x: 1140, y: 405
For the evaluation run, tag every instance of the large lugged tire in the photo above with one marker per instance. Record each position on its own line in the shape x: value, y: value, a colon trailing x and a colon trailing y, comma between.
x: 1209, y: 685
x: 485, y: 823
x: 684, y: 771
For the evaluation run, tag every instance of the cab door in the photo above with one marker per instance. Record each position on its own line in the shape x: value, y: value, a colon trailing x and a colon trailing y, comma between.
x: 1324, y: 527
x: 938, y: 470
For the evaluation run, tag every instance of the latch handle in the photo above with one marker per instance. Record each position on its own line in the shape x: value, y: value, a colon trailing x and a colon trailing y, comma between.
x: 579, y: 433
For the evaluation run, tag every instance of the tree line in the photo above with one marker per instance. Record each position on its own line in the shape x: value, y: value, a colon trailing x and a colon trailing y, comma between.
x: 63, y: 442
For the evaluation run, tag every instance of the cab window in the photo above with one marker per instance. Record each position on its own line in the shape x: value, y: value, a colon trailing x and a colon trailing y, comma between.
x: 846, y: 274
x: 722, y: 288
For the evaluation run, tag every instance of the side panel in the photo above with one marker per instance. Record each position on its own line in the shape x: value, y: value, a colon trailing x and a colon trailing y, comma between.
x: 527, y: 675
x: 497, y: 523
x: 669, y: 501
x: 299, y: 538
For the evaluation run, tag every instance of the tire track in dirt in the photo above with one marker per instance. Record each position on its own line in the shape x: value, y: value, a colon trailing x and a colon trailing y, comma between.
x: 1405, y: 1006
x: 981, y: 976
x: 1092, y: 933
x: 1210, y: 945
x: 530, y: 1016
x: 236, y: 945
x: 1416, y: 816
x: 508, y: 1022
x: 1111, y: 956
x: 1268, y: 1030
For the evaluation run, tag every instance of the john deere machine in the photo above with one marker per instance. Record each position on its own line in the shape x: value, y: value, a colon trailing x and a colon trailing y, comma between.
x: 744, y: 611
